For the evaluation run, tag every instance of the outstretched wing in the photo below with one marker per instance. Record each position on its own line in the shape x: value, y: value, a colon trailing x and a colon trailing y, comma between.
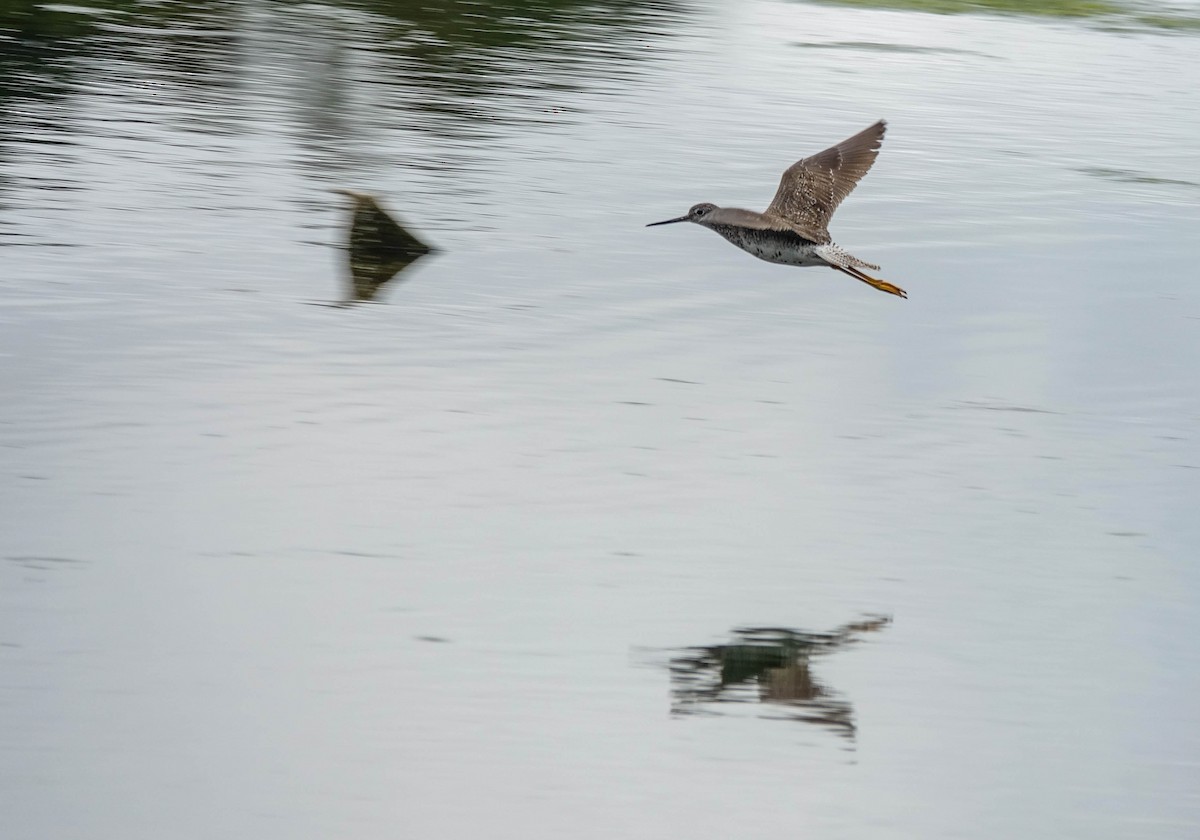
x: 811, y: 189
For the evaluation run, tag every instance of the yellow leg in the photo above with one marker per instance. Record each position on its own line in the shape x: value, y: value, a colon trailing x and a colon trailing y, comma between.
x: 882, y: 285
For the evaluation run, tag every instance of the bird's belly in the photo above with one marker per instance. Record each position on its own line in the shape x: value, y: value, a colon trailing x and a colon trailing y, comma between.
x: 775, y: 247
x: 784, y: 256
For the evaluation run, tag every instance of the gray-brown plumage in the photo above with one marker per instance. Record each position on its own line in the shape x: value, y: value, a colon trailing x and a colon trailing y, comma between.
x: 793, y: 230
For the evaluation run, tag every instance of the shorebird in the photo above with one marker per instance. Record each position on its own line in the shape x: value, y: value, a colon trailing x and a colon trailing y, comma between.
x: 793, y: 229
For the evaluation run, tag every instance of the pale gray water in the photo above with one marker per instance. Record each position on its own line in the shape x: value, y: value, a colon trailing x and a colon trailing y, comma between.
x: 419, y: 569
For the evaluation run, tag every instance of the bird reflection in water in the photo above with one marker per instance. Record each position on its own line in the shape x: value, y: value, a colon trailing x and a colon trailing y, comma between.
x: 768, y: 665
x: 379, y: 248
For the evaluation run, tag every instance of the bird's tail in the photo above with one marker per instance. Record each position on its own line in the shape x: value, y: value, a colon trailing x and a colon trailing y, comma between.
x: 838, y: 258
x: 850, y: 264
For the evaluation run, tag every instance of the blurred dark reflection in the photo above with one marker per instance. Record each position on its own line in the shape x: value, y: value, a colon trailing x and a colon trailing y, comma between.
x: 33, y: 40
x: 330, y: 75
x: 768, y: 665
x: 378, y: 248
x: 35, y: 73
x: 534, y: 51
x: 193, y: 46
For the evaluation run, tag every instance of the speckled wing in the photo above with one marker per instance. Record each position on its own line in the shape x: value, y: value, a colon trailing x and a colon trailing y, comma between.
x: 812, y: 188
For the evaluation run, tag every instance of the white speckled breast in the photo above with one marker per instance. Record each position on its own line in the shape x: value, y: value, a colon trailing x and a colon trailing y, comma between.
x: 782, y: 247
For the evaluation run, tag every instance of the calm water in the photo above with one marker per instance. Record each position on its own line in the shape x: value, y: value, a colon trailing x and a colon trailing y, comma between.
x: 581, y: 533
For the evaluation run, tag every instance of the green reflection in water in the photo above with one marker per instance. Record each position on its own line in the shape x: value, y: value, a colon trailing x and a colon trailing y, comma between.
x: 1180, y: 22
x: 456, y: 70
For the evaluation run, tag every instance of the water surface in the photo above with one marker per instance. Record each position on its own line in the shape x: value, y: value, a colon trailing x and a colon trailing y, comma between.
x: 420, y: 568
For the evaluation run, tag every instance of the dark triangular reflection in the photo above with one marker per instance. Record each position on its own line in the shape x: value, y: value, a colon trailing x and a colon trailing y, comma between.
x: 767, y: 665
x: 379, y: 248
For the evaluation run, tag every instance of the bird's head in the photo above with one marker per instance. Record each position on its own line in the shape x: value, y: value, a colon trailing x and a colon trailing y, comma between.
x: 697, y: 214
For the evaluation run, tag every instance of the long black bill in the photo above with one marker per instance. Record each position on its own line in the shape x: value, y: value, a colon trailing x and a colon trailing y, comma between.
x: 668, y: 221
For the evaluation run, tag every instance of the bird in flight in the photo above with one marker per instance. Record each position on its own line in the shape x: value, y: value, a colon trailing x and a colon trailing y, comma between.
x: 793, y: 230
